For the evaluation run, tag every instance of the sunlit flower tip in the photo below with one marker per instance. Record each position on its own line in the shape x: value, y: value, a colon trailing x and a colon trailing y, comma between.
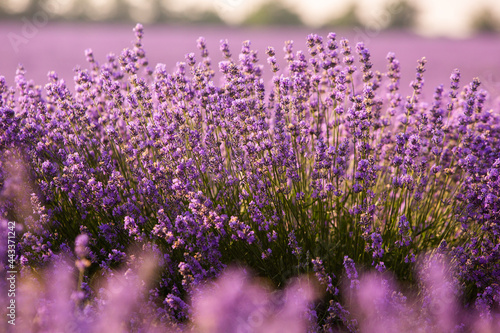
x: 201, y: 42
x: 190, y: 58
x: 224, y: 47
x: 139, y: 31
x: 51, y: 75
x: 288, y: 48
x: 310, y: 40
x: 455, y: 80
x: 476, y: 82
x: 421, y: 65
x: 270, y: 51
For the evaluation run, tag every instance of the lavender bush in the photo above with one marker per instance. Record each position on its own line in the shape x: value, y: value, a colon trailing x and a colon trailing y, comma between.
x: 327, y: 171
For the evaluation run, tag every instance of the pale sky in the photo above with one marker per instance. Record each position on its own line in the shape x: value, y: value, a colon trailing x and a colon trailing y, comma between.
x: 439, y: 17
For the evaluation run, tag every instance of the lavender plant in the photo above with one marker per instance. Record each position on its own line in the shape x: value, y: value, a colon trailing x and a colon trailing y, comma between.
x: 327, y: 170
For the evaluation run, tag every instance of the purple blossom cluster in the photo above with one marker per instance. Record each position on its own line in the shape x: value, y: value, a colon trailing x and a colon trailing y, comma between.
x: 328, y: 169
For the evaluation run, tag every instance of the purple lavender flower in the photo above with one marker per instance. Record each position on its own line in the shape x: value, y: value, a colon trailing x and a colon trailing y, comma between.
x: 352, y: 273
x: 404, y: 228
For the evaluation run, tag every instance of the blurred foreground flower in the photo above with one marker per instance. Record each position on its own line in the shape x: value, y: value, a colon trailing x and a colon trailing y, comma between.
x: 235, y: 303
x: 379, y: 306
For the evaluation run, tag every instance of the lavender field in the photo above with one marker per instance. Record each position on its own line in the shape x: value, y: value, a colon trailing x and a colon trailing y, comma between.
x: 241, y: 182
x: 59, y: 47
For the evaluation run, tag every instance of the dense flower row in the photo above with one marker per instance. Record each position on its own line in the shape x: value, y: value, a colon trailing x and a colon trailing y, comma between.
x: 327, y: 169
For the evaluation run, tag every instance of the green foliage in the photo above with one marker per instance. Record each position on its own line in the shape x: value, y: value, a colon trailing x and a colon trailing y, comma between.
x: 486, y: 21
x: 273, y: 13
x: 402, y: 14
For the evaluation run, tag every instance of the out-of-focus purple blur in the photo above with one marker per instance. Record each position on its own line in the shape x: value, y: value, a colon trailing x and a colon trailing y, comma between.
x: 60, y: 47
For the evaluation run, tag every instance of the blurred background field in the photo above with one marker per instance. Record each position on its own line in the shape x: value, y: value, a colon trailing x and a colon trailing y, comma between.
x: 48, y: 35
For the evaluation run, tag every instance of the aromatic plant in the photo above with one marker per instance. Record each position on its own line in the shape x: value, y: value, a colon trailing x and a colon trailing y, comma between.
x: 327, y: 170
